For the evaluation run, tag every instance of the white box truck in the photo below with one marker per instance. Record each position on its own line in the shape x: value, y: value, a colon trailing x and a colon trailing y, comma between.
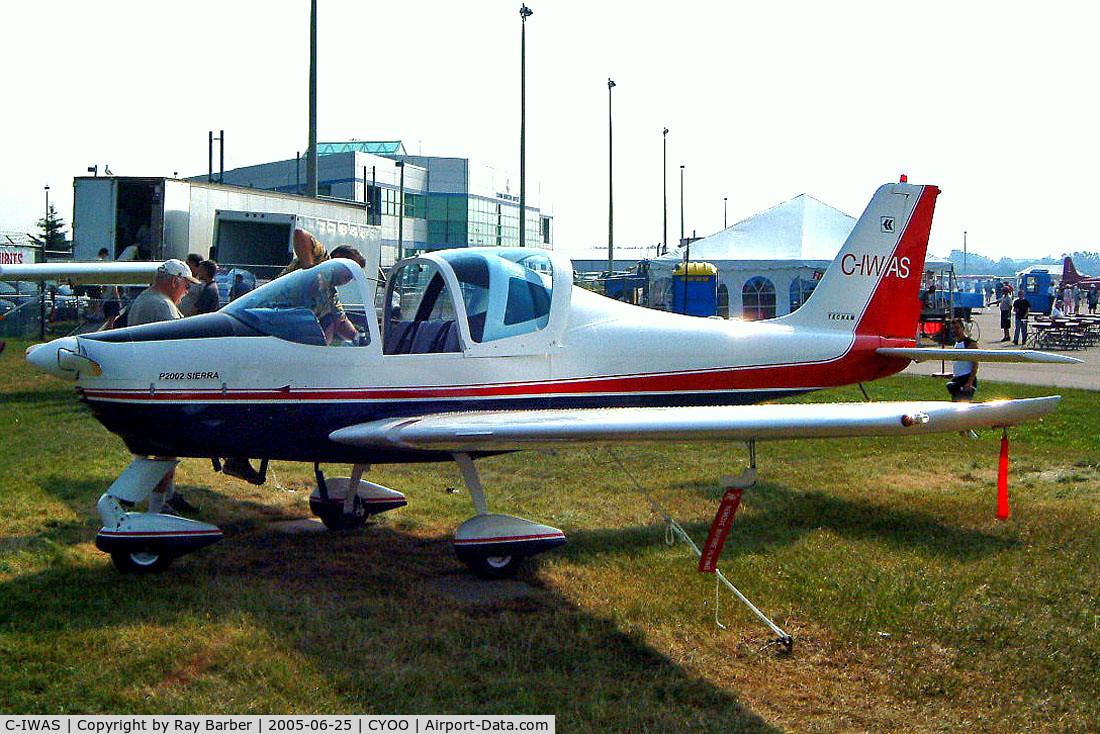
x: 167, y: 217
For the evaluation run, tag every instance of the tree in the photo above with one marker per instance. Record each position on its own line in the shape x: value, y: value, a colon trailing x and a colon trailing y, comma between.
x: 52, y: 227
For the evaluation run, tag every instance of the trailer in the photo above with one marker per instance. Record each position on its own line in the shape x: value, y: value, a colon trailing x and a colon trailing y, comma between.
x: 260, y: 242
x: 166, y: 217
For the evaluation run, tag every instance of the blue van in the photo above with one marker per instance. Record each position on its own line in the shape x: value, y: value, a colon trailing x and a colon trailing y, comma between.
x: 1035, y: 284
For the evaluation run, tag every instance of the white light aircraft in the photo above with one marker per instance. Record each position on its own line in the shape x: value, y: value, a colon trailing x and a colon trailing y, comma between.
x: 478, y: 351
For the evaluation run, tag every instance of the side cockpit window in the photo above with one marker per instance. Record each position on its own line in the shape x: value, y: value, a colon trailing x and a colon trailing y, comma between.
x: 506, y: 294
x: 503, y: 294
x: 420, y: 313
x: 323, y: 305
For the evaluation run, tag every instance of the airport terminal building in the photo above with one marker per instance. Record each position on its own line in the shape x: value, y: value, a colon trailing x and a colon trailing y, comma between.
x: 447, y: 202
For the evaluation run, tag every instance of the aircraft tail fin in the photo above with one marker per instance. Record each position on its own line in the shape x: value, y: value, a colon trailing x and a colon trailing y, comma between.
x: 1069, y: 272
x: 873, y: 286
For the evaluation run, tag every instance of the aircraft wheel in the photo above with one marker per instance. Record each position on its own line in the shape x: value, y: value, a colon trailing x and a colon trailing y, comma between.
x: 141, y: 562
x: 495, y: 567
x: 335, y: 519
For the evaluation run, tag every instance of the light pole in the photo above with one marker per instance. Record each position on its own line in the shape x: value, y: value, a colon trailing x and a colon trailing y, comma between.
x: 311, y: 154
x: 524, y: 13
x: 681, y: 205
x: 401, y: 213
x: 687, y: 248
x: 610, y: 190
x: 725, y: 213
x: 42, y: 258
x: 664, y: 187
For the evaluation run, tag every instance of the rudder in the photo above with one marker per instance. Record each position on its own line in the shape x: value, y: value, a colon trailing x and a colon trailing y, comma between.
x: 873, y: 286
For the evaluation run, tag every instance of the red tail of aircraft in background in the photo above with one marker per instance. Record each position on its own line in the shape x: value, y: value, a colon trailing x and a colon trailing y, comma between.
x: 1070, y: 276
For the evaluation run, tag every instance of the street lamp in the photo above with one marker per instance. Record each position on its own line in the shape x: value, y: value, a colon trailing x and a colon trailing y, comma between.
x: 610, y: 190
x: 664, y: 187
x: 725, y: 212
x: 524, y: 13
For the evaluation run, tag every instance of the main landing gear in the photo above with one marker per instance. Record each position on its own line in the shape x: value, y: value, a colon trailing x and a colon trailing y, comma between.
x: 494, y: 546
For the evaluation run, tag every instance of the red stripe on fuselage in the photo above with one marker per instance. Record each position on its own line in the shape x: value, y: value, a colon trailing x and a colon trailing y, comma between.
x: 859, y: 363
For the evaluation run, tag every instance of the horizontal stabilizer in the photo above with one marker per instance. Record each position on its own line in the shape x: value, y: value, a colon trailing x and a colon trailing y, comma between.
x: 514, y: 430
x: 84, y: 273
x: 919, y: 354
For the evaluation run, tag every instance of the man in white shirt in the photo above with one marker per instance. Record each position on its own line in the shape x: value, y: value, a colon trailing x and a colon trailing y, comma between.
x: 159, y: 302
x: 964, y: 380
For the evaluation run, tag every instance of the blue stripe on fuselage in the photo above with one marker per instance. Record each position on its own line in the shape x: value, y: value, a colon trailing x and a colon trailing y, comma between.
x: 298, y: 431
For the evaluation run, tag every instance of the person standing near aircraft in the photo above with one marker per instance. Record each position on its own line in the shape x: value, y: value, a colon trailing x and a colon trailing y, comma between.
x: 187, y: 303
x: 964, y: 381
x: 239, y: 287
x: 159, y: 302
x: 208, y: 300
x: 1006, y: 312
x: 308, y: 251
x: 1021, y: 307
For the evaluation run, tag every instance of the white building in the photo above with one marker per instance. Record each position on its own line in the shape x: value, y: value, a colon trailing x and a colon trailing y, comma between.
x: 448, y: 202
x: 767, y: 264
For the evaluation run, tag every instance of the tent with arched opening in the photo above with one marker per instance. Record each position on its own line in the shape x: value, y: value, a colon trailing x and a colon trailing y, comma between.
x: 767, y: 264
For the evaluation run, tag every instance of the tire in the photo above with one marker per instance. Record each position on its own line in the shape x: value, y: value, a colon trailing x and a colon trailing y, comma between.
x: 141, y: 562
x: 337, y: 520
x: 495, y: 567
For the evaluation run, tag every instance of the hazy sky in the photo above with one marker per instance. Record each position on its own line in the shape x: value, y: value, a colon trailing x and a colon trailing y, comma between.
x: 992, y: 102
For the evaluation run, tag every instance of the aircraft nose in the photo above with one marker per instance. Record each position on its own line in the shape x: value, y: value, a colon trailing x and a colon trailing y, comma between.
x: 61, y: 358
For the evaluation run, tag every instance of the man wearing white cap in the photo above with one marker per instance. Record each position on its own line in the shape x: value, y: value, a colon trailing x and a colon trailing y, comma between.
x: 159, y: 302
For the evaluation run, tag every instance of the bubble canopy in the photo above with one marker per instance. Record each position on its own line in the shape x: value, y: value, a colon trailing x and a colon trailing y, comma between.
x: 326, y: 305
x: 472, y: 298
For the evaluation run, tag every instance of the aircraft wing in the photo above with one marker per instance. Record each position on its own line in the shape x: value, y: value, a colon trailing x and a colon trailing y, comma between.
x: 105, y: 272
x: 512, y: 430
x: 924, y: 354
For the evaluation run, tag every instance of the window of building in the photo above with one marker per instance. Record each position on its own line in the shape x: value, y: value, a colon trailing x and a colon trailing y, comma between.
x: 758, y: 299
x: 416, y: 206
x: 723, y: 305
x: 801, y: 288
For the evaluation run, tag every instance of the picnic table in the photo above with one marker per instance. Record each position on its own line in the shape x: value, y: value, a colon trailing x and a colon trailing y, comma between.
x: 1076, y: 332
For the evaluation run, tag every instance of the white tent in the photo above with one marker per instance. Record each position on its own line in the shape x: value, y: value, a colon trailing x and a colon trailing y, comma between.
x: 774, y: 257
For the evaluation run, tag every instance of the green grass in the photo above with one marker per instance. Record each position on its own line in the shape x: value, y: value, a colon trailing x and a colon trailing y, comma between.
x: 913, y: 608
